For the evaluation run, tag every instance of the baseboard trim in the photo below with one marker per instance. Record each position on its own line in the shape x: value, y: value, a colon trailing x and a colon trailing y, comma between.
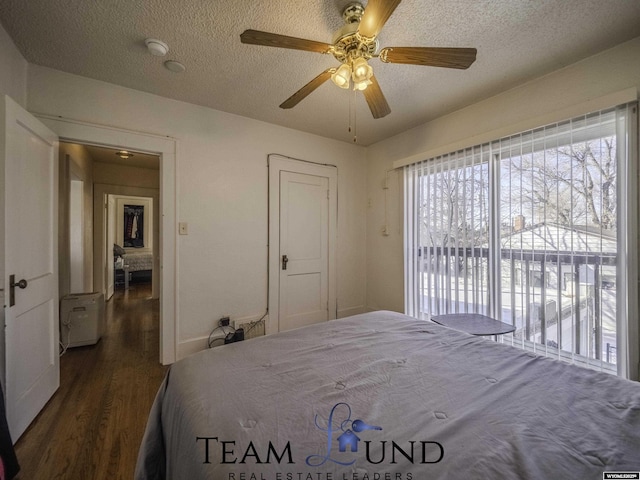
x: 347, y: 312
x: 194, y: 345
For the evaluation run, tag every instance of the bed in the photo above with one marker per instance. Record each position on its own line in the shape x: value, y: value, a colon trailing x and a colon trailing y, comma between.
x: 133, y: 262
x: 138, y: 261
x: 383, y: 396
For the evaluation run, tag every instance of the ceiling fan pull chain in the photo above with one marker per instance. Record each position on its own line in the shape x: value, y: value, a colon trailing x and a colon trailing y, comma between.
x: 349, y: 113
x: 355, y: 118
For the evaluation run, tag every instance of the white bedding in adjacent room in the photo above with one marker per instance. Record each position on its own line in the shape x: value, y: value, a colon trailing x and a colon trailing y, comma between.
x: 137, y: 261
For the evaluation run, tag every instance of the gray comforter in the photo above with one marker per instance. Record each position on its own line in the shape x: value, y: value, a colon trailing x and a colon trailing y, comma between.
x: 382, y: 396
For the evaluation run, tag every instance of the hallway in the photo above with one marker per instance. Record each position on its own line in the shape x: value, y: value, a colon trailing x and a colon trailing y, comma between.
x: 92, y: 427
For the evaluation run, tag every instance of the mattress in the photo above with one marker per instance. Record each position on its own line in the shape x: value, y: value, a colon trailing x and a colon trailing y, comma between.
x: 385, y: 396
x: 138, y: 261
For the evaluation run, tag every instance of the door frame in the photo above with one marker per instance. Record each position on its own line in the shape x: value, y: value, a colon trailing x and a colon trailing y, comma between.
x: 166, y: 148
x: 276, y: 164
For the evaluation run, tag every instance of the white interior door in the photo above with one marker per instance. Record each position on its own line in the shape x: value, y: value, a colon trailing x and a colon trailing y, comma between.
x: 29, y: 156
x: 111, y: 239
x: 304, y: 249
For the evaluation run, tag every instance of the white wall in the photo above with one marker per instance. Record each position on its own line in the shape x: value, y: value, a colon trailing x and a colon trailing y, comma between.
x: 222, y: 194
x: 76, y: 237
x: 82, y: 168
x: 611, y: 71
x: 75, y: 162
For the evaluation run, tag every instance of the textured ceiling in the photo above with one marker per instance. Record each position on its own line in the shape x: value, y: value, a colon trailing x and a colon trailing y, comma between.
x: 516, y: 40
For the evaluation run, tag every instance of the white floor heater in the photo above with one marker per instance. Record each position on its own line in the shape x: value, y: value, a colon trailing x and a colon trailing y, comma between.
x: 82, y: 319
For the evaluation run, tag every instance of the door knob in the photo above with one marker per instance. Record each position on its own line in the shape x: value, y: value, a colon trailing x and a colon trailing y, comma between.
x: 21, y: 284
x: 285, y: 259
x: 12, y: 288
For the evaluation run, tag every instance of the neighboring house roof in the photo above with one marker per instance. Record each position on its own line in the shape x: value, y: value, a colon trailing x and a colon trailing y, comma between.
x: 554, y: 237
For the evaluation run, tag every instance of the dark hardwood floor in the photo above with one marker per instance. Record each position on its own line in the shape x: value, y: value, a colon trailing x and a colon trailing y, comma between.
x: 92, y: 427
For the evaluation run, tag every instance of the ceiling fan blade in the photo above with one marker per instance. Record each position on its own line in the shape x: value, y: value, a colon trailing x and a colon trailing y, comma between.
x: 460, y: 58
x: 375, y: 16
x: 301, y: 94
x: 375, y: 98
x: 256, y: 37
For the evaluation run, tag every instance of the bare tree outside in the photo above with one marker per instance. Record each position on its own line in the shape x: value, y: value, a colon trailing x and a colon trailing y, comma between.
x: 455, y: 207
x: 569, y: 185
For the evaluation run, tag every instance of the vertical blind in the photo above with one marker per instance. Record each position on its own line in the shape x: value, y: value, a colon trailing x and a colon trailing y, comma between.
x: 537, y: 230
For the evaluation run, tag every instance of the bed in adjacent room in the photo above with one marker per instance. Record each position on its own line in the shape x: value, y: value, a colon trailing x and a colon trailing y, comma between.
x: 138, y: 261
x: 385, y: 396
x: 134, y: 263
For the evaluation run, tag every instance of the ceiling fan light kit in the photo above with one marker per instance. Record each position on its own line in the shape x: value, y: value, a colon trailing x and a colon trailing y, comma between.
x: 362, y: 85
x: 342, y: 76
x: 353, y: 46
x: 362, y: 71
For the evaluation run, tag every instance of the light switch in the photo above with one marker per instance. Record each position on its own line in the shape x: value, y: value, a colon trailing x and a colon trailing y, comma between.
x: 183, y: 228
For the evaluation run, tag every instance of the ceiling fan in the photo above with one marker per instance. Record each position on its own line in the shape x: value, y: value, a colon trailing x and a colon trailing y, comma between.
x: 356, y: 43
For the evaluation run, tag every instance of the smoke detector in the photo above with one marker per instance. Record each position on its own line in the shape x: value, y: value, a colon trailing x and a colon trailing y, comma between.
x: 156, y: 47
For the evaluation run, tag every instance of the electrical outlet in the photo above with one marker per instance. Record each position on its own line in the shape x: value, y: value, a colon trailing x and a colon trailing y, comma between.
x: 183, y: 228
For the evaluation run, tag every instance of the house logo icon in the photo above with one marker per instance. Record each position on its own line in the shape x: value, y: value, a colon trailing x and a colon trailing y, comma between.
x: 339, y: 422
x: 348, y: 439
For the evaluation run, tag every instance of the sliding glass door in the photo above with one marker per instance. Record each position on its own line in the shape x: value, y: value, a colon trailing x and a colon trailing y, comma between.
x: 534, y: 230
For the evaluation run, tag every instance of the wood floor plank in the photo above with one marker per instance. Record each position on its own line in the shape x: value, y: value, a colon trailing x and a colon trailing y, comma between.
x: 92, y: 427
